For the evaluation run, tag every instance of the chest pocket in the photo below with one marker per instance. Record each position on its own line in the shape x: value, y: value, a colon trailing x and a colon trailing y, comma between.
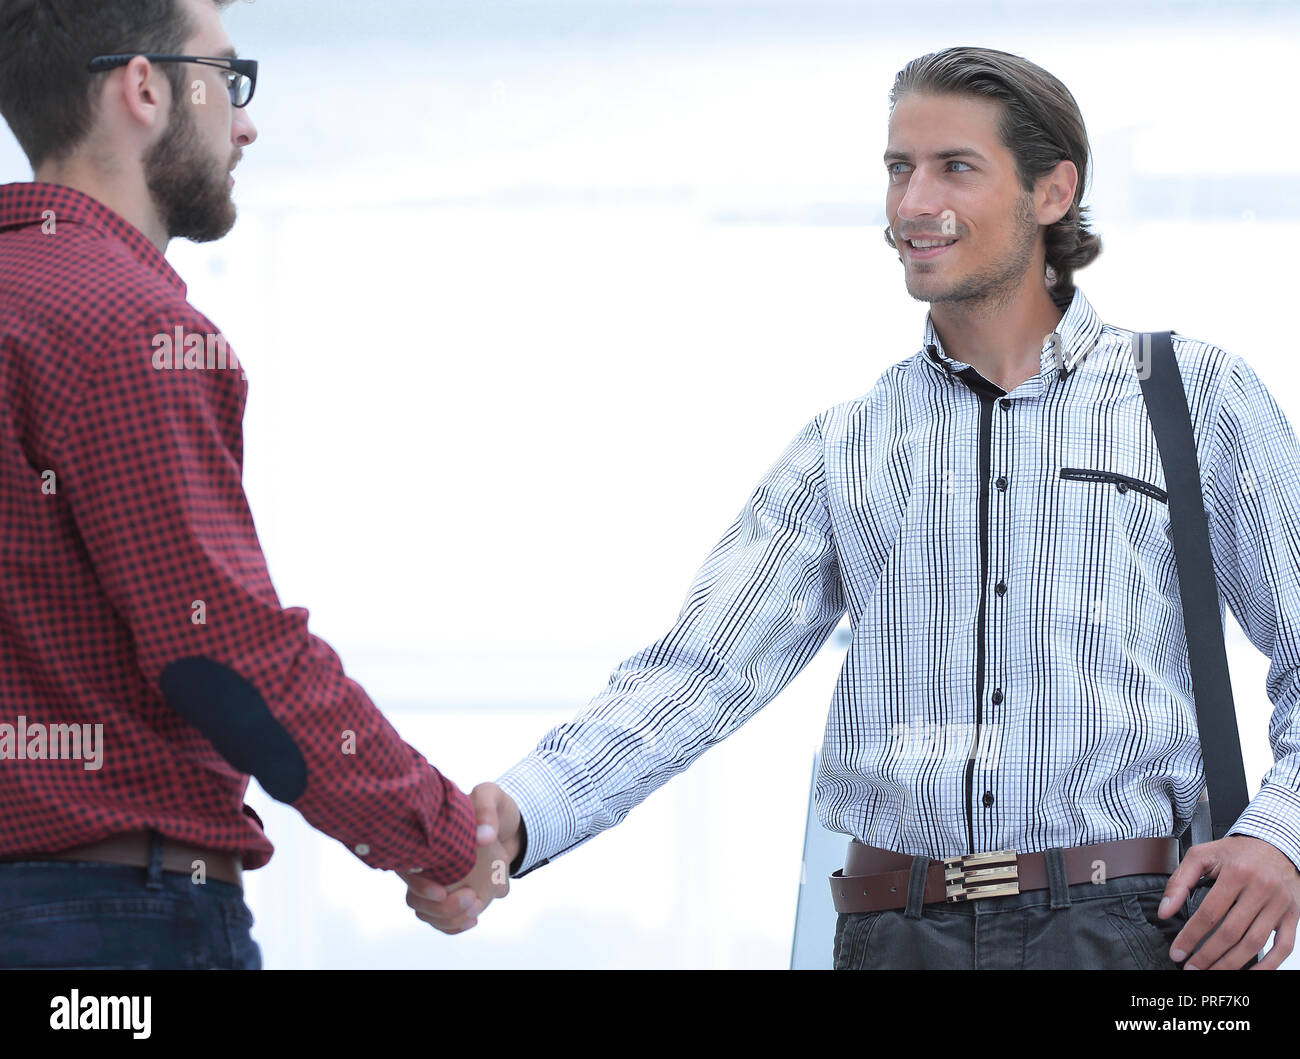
x: 1122, y: 482
x: 1125, y: 521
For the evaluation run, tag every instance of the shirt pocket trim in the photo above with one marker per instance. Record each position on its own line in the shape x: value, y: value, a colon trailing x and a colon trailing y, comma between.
x: 1123, y: 482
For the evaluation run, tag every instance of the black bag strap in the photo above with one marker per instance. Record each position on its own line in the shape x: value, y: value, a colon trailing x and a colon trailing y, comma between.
x: 1216, y: 717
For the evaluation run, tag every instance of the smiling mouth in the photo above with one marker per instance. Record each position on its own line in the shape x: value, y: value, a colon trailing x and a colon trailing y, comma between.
x: 929, y: 248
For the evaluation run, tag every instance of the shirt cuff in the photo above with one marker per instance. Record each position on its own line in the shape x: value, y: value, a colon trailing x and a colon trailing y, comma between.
x: 1273, y: 815
x: 545, y: 808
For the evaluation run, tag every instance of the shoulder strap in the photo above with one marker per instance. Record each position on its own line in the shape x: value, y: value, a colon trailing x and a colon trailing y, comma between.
x: 1216, y: 717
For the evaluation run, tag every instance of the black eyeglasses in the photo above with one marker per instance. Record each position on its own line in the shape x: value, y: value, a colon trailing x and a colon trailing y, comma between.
x: 241, y: 83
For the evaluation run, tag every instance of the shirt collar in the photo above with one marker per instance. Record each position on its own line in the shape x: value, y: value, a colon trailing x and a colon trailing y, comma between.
x: 1075, y: 336
x: 37, y: 203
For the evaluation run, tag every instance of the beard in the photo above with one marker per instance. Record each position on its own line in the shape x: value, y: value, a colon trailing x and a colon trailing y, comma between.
x: 994, y: 286
x: 190, y: 192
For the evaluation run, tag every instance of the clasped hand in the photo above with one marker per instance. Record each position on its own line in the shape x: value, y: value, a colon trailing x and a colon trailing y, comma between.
x: 455, y: 909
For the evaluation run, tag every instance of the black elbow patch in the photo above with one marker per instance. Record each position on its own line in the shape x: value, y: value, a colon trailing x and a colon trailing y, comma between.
x: 228, y: 710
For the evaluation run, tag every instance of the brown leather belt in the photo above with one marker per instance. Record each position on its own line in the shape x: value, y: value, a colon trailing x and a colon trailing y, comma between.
x: 132, y: 848
x: 875, y: 879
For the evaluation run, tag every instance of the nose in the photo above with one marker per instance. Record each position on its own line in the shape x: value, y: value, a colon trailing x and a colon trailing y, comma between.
x: 921, y: 197
x: 242, y: 130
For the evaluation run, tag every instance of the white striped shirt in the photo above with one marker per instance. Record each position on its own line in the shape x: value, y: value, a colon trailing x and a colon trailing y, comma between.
x: 1017, y: 676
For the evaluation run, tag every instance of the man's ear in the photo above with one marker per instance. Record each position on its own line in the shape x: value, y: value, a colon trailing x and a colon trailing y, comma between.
x: 1055, y: 191
x: 143, y: 93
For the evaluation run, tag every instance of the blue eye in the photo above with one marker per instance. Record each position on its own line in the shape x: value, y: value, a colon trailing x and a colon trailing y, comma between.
x: 890, y: 167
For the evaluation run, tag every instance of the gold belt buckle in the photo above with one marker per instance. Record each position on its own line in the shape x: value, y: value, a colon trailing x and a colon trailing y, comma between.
x: 981, y: 875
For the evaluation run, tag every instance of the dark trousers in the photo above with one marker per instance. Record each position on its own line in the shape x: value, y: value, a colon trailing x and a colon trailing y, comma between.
x: 1089, y: 926
x: 82, y: 915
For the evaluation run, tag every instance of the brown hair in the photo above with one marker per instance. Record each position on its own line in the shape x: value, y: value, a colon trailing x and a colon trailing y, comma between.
x: 1040, y: 125
x: 46, y: 91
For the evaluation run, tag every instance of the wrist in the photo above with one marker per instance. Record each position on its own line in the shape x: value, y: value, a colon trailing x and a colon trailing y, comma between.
x: 516, y: 841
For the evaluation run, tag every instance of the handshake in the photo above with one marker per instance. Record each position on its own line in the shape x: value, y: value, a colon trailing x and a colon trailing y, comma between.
x: 455, y: 909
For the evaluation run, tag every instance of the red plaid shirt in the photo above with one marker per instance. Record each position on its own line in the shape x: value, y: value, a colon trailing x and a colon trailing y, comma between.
x: 133, y: 590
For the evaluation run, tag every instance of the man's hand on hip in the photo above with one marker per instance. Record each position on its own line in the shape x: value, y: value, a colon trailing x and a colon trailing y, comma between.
x: 1256, y: 892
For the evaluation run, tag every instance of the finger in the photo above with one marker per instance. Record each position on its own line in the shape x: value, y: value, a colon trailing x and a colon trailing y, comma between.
x: 461, y: 905
x: 1237, y: 956
x: 483, y: 798
x: 462, y: 902
x: 1183, y: 880
x: 458, y: 928
x: 425, y: 887
x: 1230, y: 930
x: 1218, y: 900
x: 447, y: 926
x: 1283, y: 943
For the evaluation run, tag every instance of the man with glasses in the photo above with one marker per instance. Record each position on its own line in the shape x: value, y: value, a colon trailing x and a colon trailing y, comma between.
x: 148, y: 665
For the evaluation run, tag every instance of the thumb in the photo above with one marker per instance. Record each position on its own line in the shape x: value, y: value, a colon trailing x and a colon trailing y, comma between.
x: 484, y: 799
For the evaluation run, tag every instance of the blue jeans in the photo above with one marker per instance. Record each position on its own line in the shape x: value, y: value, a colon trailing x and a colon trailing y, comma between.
x: 84, y: 915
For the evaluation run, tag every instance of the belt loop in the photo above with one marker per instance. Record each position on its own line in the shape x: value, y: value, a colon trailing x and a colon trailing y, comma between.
x: 1057, y: 881
x: 916, y: 886
x: 153, y: 876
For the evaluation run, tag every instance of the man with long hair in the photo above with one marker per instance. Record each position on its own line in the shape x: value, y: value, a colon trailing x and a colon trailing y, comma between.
x: 1017, y: 681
